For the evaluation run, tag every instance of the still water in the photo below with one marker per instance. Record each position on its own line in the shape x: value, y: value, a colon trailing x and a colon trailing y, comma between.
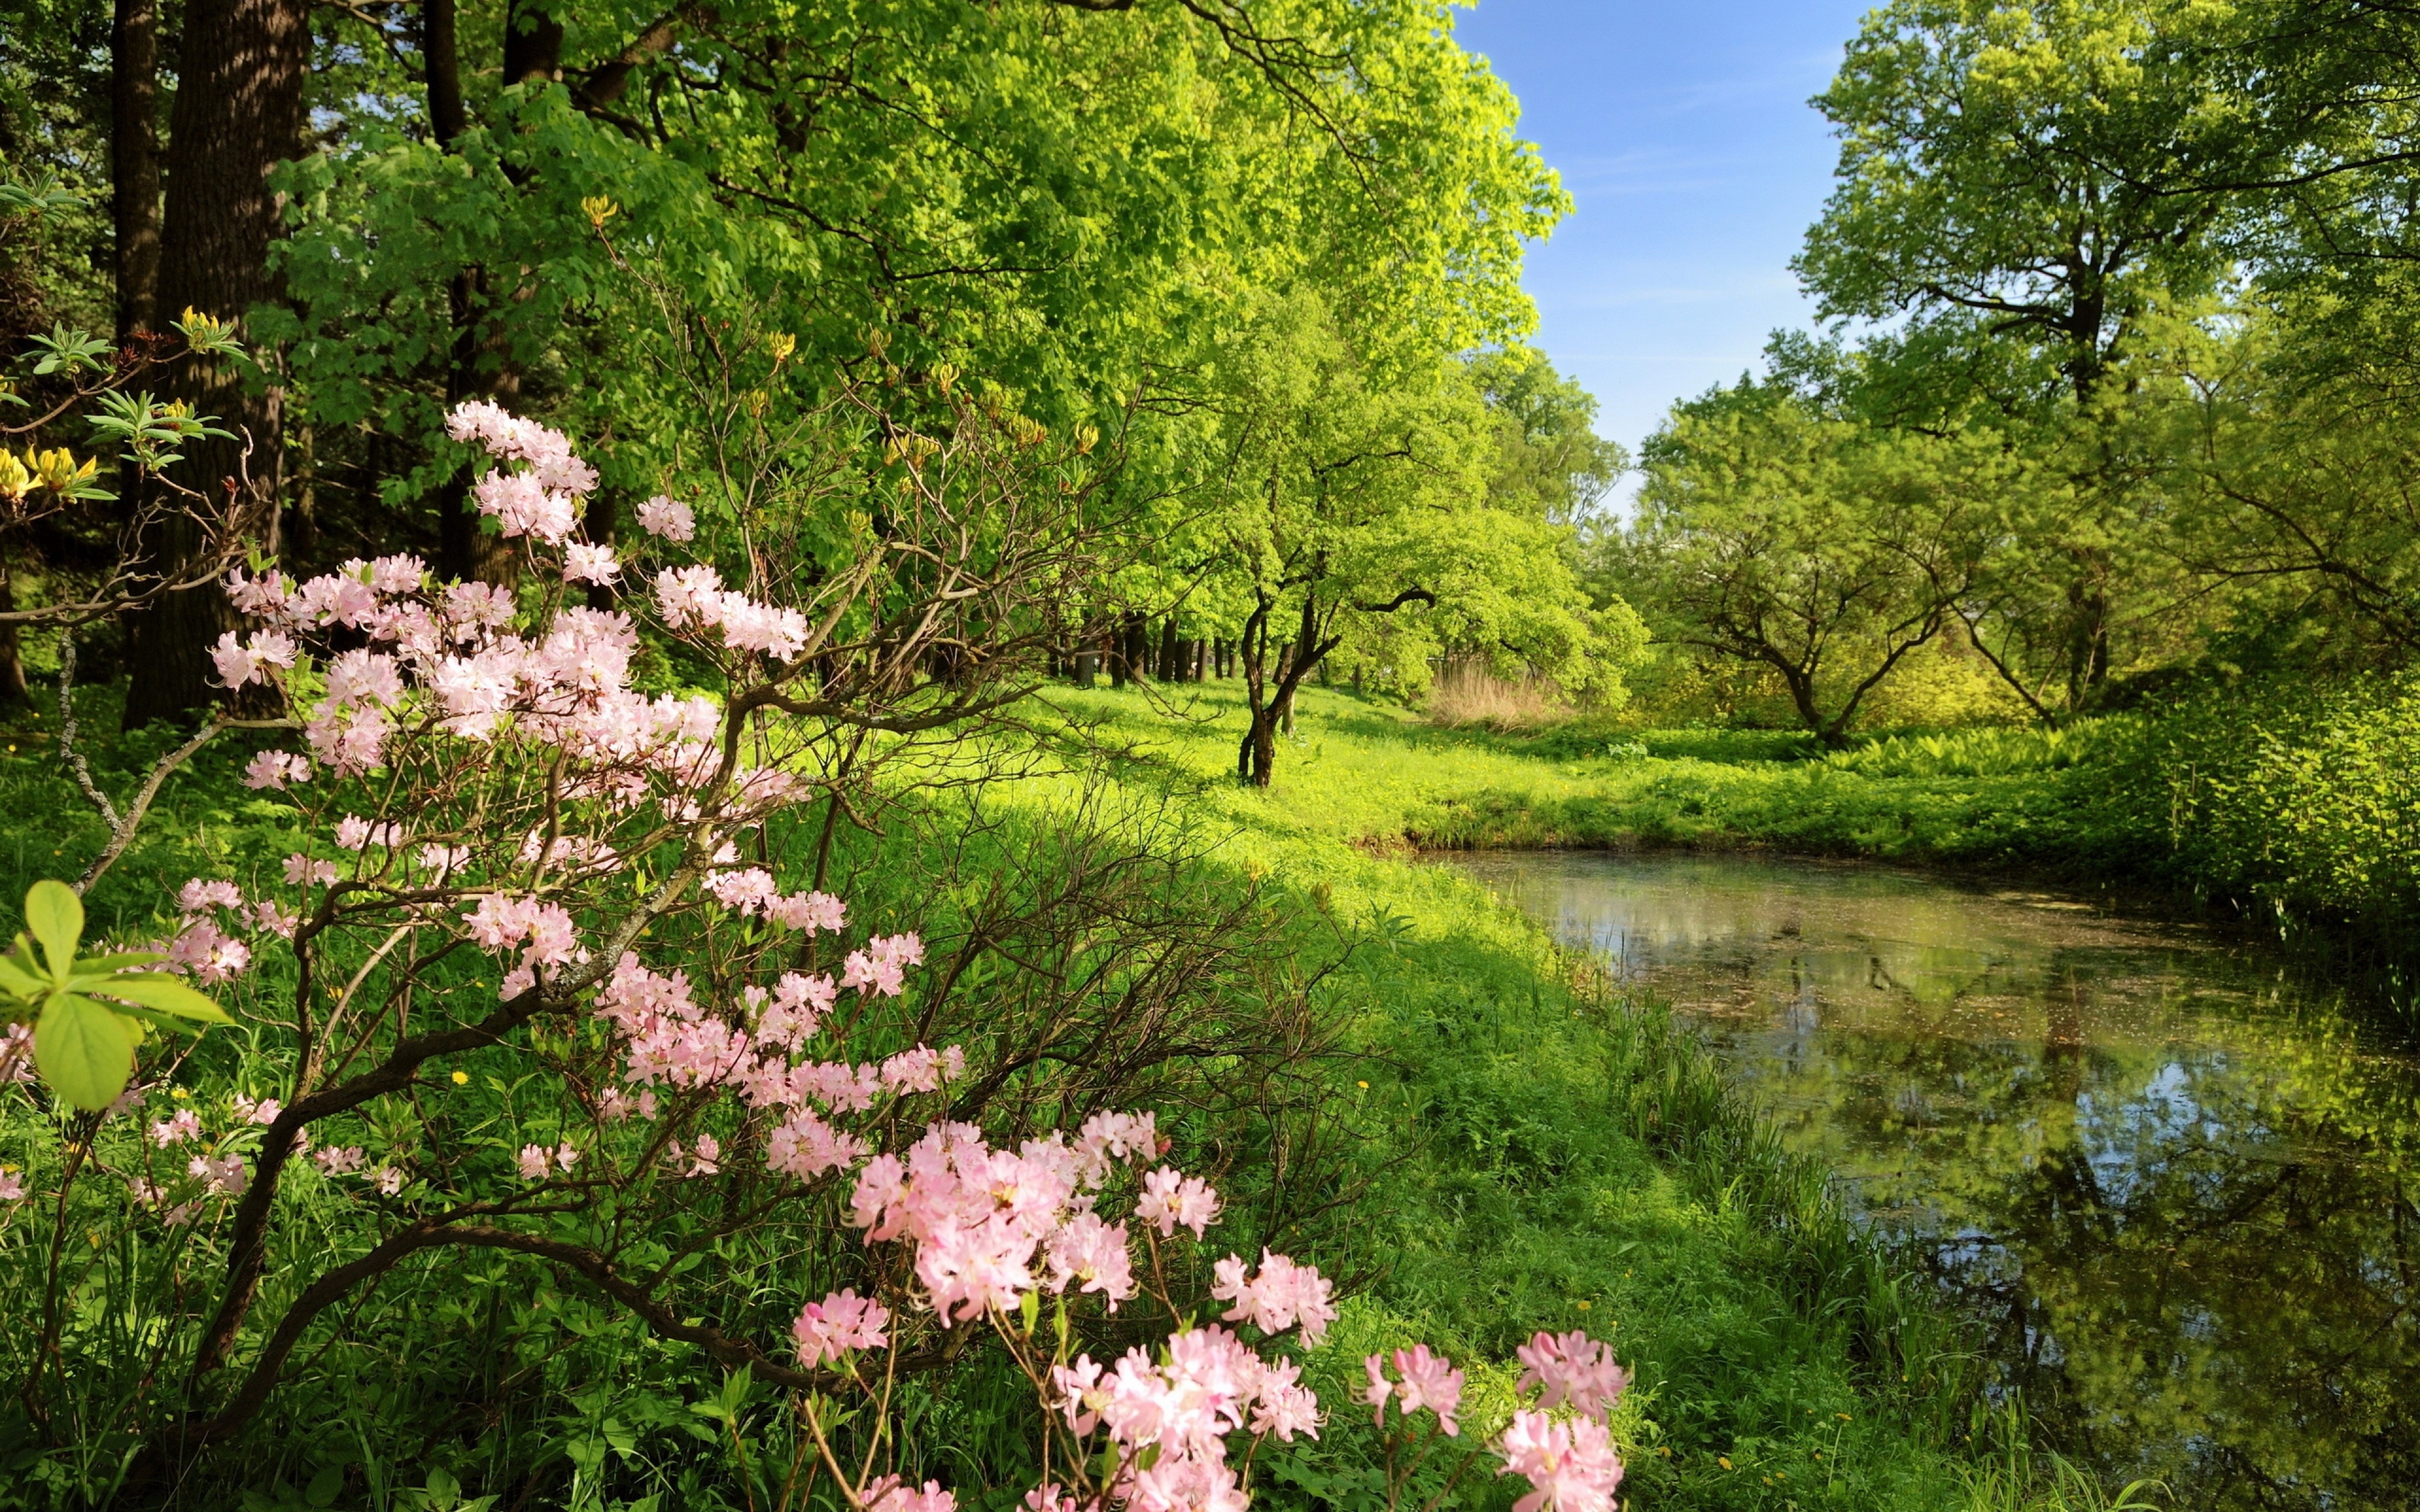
x: 2173, y: 1182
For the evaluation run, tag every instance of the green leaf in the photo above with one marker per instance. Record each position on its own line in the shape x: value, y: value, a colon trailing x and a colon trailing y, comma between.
x: 18, y: 982
x: 153, y: 990
x: 84, y: 1050
x: 55, y: 915
x: 122, y: 960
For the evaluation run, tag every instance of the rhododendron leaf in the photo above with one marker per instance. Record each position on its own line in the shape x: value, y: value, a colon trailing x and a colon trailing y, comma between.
x: 1030, y: 1307
x: 84, y: 1050
x: 55, y: 916
x: 19, y: 983
x: 94, y: 967
x: 163, y: 993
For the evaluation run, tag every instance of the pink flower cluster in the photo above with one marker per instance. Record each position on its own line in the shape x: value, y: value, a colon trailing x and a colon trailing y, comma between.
x: 1572, y: 1368
x: 1569, y: 1464
x: 668, y: 518
x: 753, y: 892
x: 840, y: 1324
x: 536, y: 1161
x: 695, y: 596
x: 1210, y: 1385
x: 1423, y: 1379
x: 542, y: 501
x: 1282, y: 1295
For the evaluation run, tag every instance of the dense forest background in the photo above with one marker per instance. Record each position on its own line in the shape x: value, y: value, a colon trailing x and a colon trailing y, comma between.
x: 1267, y: 257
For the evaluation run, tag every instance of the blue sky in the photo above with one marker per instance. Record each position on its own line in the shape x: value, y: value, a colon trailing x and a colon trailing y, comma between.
x: 1683, y: 133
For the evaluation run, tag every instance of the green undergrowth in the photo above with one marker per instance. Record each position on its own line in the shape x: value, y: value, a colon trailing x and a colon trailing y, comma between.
x: 1540, y: 1152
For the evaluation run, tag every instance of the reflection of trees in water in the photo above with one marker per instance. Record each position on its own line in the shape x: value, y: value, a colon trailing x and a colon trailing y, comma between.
x: 2169, y: 1180
x: 2235, y: 1321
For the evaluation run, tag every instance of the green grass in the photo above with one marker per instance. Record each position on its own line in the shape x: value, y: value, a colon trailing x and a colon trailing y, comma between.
x: 1550, y: 1154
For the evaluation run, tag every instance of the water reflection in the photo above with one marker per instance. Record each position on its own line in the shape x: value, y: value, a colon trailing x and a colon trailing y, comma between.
x: 2174, y: 1184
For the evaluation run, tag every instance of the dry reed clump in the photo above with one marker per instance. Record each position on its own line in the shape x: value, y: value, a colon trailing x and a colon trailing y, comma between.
x: 1467, y: 693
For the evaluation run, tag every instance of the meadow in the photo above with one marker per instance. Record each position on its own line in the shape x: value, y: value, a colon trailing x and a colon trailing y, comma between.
x: 1512, y: 1146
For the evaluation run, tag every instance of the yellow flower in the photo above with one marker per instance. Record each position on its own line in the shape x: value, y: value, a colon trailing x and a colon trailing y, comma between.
x: 1724, y: 1460
x: 57, y: 471
x: 462, y: 1078
x: 600, y: 211
x: 781, y: 344
x: 14, y: 479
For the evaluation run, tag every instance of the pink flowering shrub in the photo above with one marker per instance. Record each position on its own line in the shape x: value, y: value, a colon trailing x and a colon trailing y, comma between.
x: 531, y: 875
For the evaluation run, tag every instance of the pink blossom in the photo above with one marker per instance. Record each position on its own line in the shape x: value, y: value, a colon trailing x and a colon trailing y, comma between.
x: 708, y: 1159
x: 1084, y: 1248
x: 444, y: 859
x: 198, y: 895
x: 397, y: 574
x: 264, y: 598
x: 182, y: 1125
x: 365, y: 676
x: 808, y: 911
x: 1572, y: 1368
x: 224, y: 1175
x: 913, y: 1070
x: 888, y: 1495
x: 1378, y: 1390
x: 1171, y: 1200
x: 1428, y: 1380
x: 302, y: 871
x: 879, y: 969
x: 1571, y: 1466
x: 748, y: 626
x: 522, y: 505
x: 1280, y: 1296
x: 746, y: 891
x: 804, y: 1146
x: 1282, y: 1406
x: 17, y: 1055
x: 673, y: 520
x: 689, y: 596
x: 584, y: 564
x: 535, y: 1162
x: 388, y: 1180
x: 339, y: 1160
x: 275, y: 769
x: 474, y: 606
x: 335, y: 598
x: 351, y: 741
x: 12, y: 1186
x: 799, y: 1004
x: 270, y: 918
x: 264, y: 1112
x: 839, y: 1324
x: 207, y: 952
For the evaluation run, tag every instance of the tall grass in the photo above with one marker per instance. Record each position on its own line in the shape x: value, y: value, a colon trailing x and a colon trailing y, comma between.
x: 1468, y: 693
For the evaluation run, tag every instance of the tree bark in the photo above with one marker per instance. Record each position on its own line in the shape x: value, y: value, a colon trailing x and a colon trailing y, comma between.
x: 239, y: 112
x: 134, y: 163
x: 464, y: 550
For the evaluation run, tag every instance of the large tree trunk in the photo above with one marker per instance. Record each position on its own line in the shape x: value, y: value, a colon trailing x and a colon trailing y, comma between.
x: 239, y: 113
x: 134, y: 163
x: 477, y: 367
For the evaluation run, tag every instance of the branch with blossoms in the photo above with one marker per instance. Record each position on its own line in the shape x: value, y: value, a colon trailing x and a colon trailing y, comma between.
x: 510, y: 849
x: 41, y: 487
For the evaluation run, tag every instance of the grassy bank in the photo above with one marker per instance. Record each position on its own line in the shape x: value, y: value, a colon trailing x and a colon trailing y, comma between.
x: 1537, y: 1151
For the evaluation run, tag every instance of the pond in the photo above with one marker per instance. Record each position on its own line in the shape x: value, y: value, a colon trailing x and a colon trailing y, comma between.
x: 2173, y: 1182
